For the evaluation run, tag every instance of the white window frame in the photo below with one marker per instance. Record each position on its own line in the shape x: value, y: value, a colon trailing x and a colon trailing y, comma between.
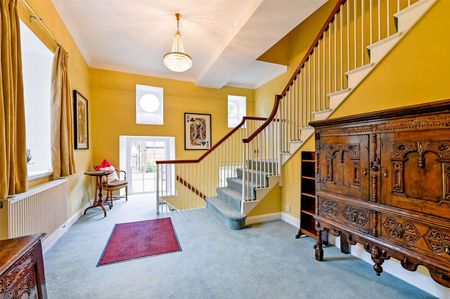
x: 39, y: 52
x: 149, y: 118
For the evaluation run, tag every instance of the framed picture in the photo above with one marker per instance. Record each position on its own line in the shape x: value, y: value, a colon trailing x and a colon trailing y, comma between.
x: 197, y: 131
x: 81, y: 120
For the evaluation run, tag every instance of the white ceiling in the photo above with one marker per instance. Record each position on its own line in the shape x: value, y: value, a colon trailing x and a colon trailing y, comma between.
x: 223, y: 37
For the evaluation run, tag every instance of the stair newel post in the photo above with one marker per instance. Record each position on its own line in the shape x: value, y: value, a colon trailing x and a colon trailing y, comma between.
x: 157, y: 188
x: 244, y: 154
x: 279, y: 146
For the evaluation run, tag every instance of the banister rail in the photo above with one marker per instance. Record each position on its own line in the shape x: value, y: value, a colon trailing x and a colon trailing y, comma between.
x: 185, y: 184
x: 244, y: 119
x: 319, y: 36
x: 278, y: 98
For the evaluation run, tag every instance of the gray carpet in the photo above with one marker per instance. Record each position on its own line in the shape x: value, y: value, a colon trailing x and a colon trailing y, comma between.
x: 264, y: 261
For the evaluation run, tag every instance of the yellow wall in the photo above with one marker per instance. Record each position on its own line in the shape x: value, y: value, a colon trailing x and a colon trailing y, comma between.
x: 80, y: 189
x: 415, y: 71
x: 114, y: 111
x: 293, y: 46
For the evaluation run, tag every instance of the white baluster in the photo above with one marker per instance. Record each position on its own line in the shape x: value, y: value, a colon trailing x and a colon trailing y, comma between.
x: 354, y: 36
x: 388, y: 19
x: 362, y: 33
x: 157, y: 188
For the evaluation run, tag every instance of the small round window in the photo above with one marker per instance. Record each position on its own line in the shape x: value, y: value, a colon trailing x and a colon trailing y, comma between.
x: 149, y: 103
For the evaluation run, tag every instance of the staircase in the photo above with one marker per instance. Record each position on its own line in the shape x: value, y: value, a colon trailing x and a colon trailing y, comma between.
x: 237, y: 173
x: 342, y: 56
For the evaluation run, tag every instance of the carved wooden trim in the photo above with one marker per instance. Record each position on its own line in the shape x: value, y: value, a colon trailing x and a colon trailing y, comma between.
x: 329, y: 207
x: 20, y: 268
x: 400, y: 125
x: 397, y: 177
x: 406, y: 231
x: 438, y: 241
x: 355, y: 215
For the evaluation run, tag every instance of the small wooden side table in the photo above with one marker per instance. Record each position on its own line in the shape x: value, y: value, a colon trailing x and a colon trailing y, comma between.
x: 98, y: 202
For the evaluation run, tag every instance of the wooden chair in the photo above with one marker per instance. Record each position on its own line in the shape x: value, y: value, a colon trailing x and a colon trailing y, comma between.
x: 117, y: 185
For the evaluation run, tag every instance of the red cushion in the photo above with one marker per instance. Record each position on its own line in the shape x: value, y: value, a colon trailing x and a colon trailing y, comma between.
x: 104, y: 164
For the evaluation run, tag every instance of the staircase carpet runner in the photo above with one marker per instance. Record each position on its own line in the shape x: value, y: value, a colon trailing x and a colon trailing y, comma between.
x: 140, y: 239
x: 227, y: 204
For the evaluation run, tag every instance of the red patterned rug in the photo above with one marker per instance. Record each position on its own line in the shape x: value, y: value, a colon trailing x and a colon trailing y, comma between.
x: 139, y: 239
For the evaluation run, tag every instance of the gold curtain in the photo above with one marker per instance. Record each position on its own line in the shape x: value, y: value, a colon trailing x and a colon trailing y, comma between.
x: 13, y: 161
x: 62, y: 117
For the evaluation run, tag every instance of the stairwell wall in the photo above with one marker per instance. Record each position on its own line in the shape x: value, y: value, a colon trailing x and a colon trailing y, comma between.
x: 415, y: 71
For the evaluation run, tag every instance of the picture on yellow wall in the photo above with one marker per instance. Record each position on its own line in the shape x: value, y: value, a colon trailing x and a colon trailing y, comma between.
x: 197, y: 131
x: 81, y: 121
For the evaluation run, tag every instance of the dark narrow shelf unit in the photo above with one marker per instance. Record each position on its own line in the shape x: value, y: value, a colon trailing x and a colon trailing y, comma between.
x: 308, y: 195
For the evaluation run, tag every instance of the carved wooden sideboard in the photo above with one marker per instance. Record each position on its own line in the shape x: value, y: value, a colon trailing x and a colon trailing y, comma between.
x: 383, y: 180
x: 22, y: 268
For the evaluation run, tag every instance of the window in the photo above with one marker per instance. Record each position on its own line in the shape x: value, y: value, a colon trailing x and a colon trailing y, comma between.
x: 237, y: 109
x: 149, y: 105
x: 37, y: 62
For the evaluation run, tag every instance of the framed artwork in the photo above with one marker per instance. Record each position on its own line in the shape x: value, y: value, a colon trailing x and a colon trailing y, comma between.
x: 81, y: 120
x: 197, y: 131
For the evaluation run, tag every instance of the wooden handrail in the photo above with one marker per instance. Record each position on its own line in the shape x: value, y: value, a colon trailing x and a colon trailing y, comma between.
x: 244, y: 119
x: 267, y: 122
x: 191, y: 188
x: 278, y: 98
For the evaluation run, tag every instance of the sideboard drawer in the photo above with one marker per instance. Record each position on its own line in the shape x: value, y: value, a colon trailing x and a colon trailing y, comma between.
x: 355, y: 216
x: 417, y: 236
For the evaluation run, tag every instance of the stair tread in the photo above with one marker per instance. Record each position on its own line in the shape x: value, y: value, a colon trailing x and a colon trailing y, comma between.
x: 239, y: 180
x: 225, y: 209
x: 230, y: 192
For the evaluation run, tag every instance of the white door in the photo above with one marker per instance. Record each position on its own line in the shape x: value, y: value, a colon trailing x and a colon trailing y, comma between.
x: 141, y: 154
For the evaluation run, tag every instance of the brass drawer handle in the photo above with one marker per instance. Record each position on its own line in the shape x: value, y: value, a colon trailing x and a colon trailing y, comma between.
x: 385, y: 173
x: 365, y: 172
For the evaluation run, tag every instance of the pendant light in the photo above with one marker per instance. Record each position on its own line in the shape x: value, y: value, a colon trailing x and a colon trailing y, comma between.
x: 177, y: 60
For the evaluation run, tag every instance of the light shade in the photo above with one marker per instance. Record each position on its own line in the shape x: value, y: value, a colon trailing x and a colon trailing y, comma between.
x: 177, y: 60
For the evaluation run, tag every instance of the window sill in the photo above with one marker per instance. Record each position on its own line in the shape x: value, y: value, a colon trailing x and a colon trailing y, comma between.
x: 36, y: 175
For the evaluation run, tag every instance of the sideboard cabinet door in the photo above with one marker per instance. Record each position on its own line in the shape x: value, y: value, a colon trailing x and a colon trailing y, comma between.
x: 415, y: 173
x: 344, y: 165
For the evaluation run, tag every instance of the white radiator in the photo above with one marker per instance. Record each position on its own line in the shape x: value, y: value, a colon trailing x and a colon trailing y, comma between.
x: 42, y: 209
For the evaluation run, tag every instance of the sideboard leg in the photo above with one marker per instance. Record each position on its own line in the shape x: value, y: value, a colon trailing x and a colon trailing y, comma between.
x: 378, y: 257
x: 345, y: 247
x: 318, y: 247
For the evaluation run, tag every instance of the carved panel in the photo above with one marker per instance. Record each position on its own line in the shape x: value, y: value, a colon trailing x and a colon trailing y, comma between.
x: 20, y: 268
x: 406, y: 231
x: 399, y: 155
x: 356, y: 215
x: 337, y: 151
x: 438, y: 241
x: 329, y: 207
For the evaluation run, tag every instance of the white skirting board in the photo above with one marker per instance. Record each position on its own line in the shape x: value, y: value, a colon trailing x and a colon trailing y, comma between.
x: 272, y: 217
x: 391, y: 266
x: 51, y: 240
